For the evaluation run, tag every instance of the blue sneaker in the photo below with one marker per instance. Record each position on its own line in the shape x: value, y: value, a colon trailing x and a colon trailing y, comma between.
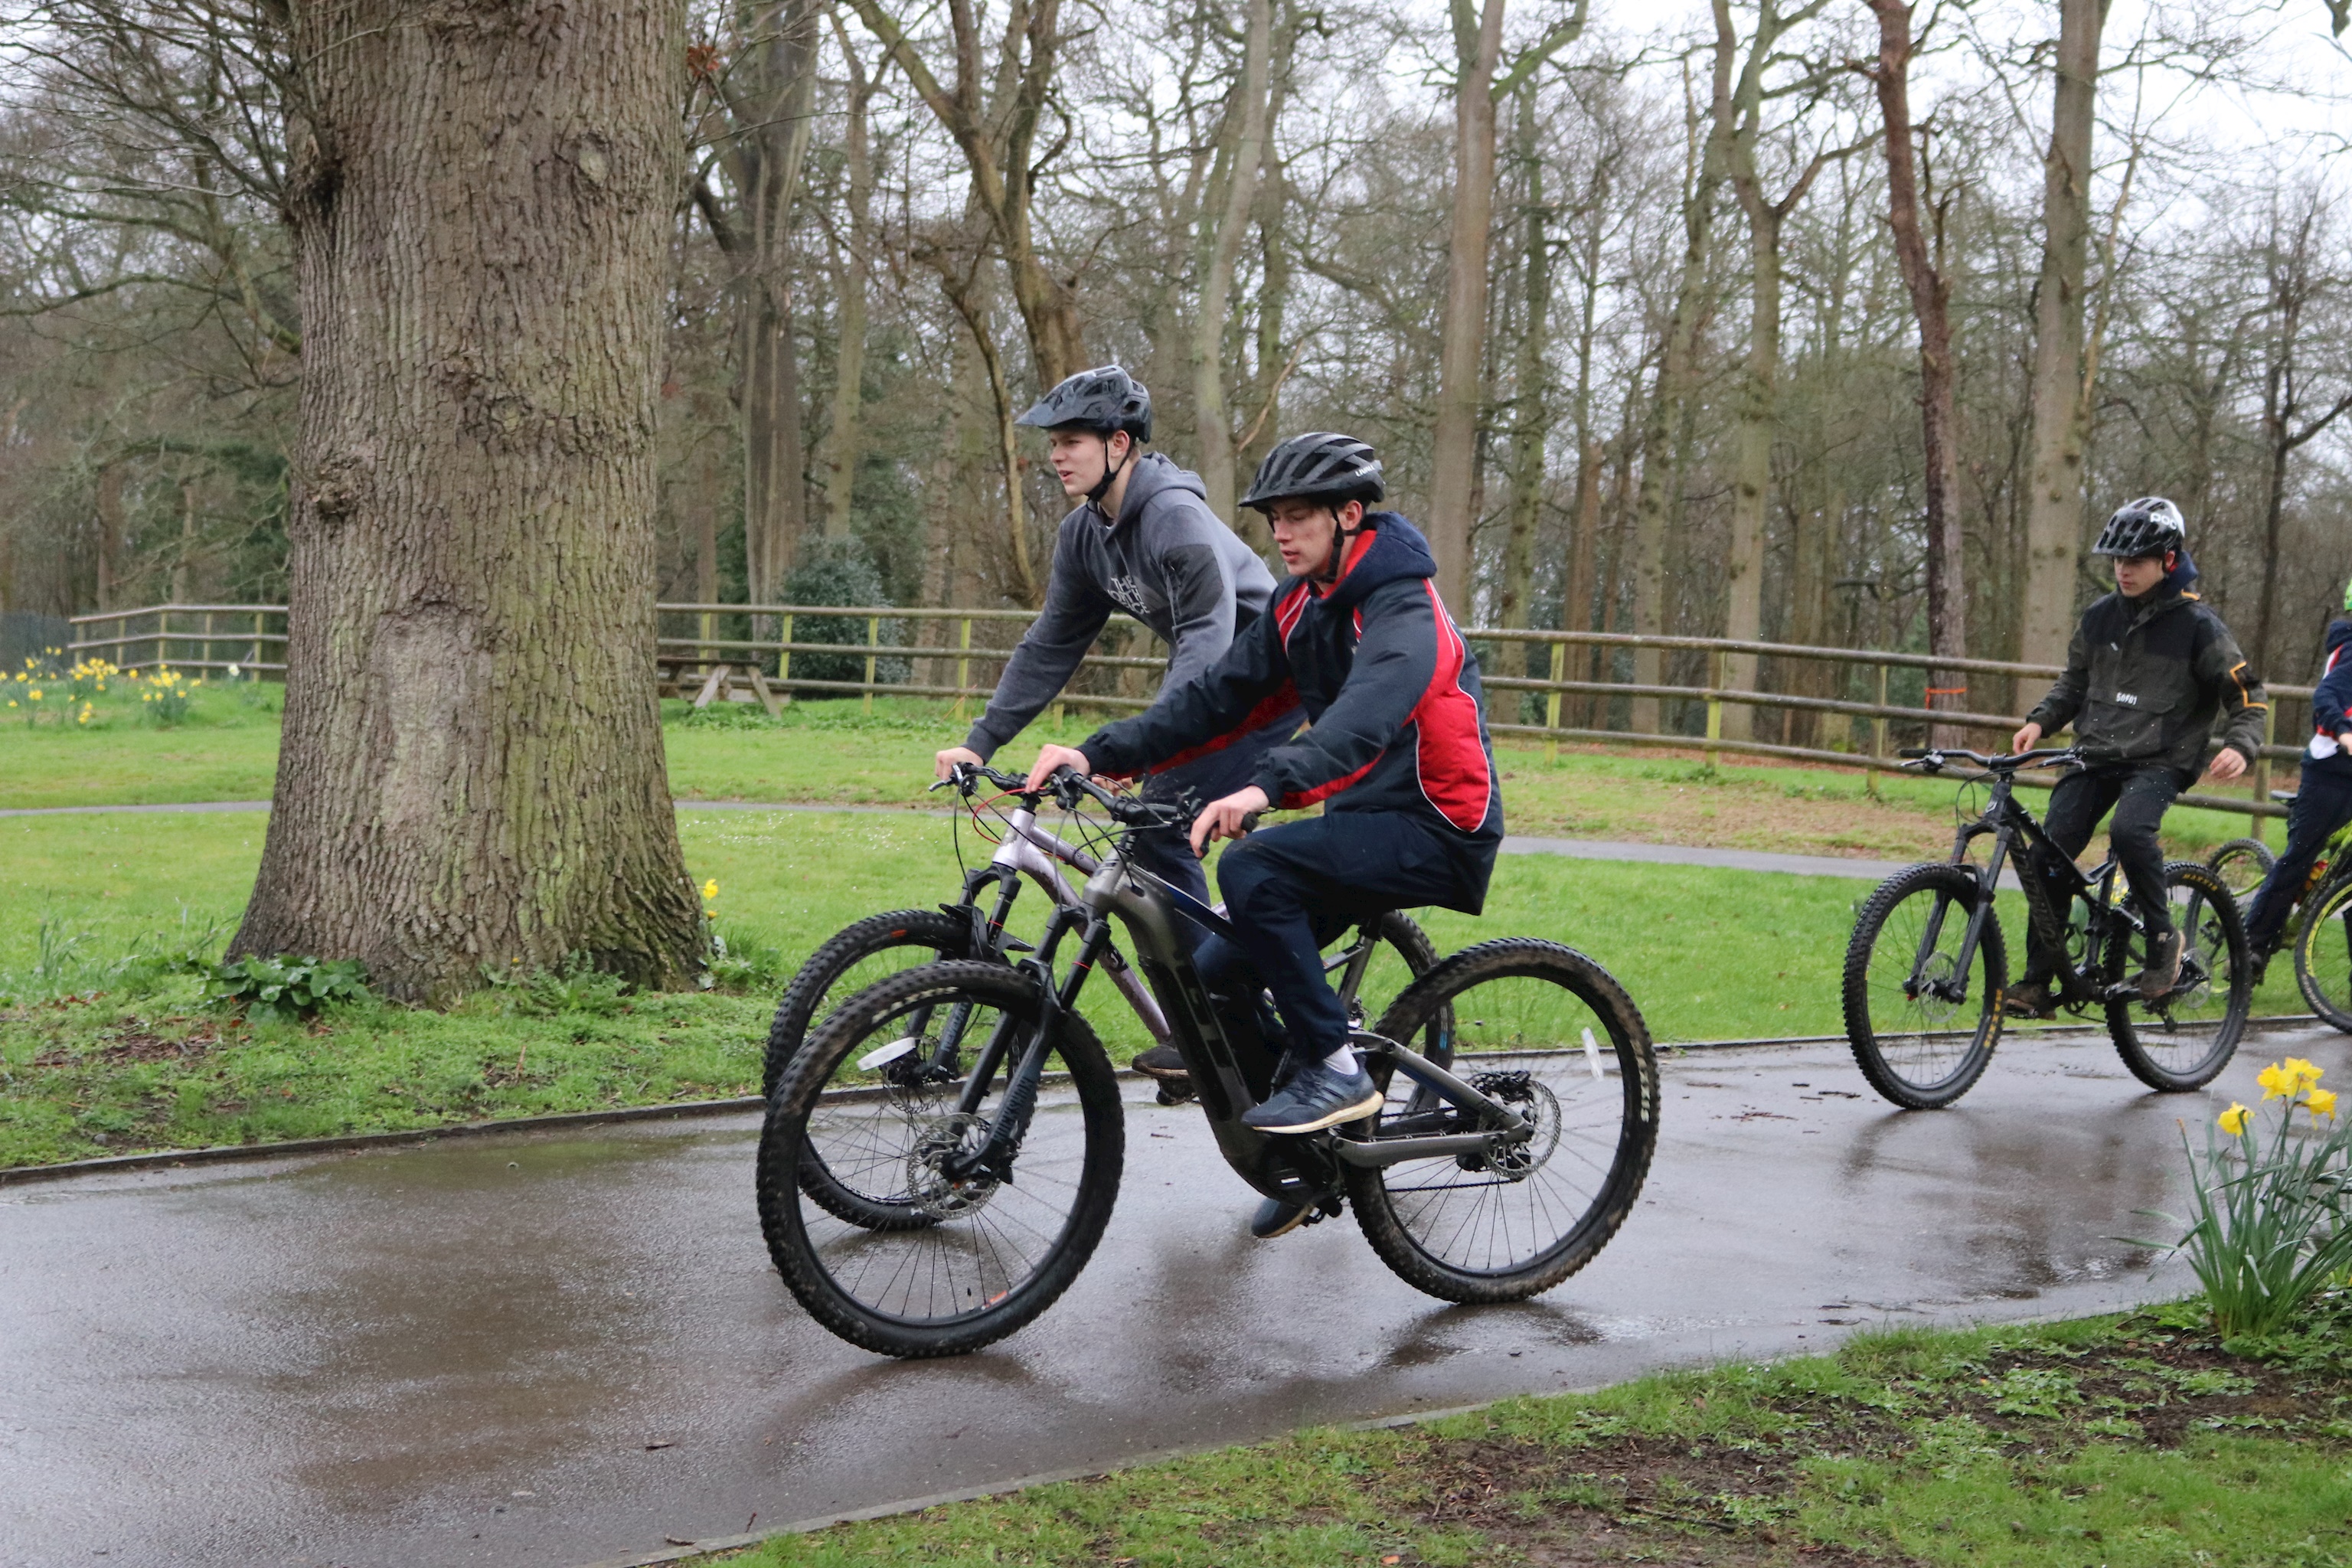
x: 1316, y: 1098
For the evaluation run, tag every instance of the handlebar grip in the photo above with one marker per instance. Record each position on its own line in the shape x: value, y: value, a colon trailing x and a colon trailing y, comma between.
x: 1914, y: 752
x: 1249, y: 823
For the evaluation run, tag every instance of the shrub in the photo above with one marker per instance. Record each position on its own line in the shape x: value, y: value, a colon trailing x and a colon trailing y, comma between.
x: 2269, y: 1227
x: 284, y: 988
x: 841, y: 572
x: 576, y: 986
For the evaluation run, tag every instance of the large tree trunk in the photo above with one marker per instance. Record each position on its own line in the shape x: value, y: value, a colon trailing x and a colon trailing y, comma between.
x: 472, y: 770
x: 1753, y: 470
x: 1930, y: 293
x: 2062, y: 405
x: 1244, y: 134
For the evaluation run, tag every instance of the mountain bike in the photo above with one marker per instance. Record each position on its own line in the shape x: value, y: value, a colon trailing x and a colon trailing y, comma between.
x: 976, y: 926
x: 1925, y: 971
x: 2323, y: 905
x: 1519, y: 1117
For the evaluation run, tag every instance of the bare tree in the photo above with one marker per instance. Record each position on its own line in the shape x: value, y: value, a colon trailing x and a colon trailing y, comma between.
x: 1482, y: 80
x: 2300, y: 284
x: 850, y: 284
x: 1910, y: 199
x: 2061, y: 392
x: 1232, y: 194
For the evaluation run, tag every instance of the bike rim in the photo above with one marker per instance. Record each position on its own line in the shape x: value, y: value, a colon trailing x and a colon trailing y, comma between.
x: 2182, y: 1034
x: 1476, y: 1219
x: 1925, y: 1040
x: 2323, y: 955
x: 965, y: 1247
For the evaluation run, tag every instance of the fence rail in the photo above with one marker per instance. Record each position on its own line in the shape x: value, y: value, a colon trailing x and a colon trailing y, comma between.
x: 708, y: 667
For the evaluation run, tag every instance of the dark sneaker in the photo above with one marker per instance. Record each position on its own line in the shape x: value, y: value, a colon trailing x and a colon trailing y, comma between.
x: 2163, y: 969
x: 2029, y: 999
x: 1315, y: 1098
x: 1165, y: 1063
x: 1275, y: 1217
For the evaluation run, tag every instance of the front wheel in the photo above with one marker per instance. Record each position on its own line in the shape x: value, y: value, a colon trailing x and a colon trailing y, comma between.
x: 2323, y: 953
x: 2241, y: 864
x: 1922, y: 1028
x: 1544, y: 1030
x: 2183, y: 1040
x: 973, y: 1253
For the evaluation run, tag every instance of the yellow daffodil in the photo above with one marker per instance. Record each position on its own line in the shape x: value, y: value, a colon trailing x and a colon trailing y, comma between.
x: 2321, y: 1102
x: 2303, y: 1070
x: 710, y: 889
x: 2277, y: 1082
x: 34, y: 694
x: 2233, y: 1120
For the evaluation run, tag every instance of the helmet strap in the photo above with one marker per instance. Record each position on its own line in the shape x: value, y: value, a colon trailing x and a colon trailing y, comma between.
x: 1111, y: 475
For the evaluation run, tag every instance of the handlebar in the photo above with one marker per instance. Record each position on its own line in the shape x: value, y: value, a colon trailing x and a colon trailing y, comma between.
x: 1932, y: 759
x: 965, y: 779
x: 1071, y: 786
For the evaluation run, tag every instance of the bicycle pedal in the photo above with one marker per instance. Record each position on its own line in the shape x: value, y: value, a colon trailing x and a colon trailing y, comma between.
x: 1174, y: 1093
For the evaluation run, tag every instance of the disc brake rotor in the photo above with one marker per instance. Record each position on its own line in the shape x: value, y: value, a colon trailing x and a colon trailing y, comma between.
x: 1533, y: 1099
x: 928, y: 1186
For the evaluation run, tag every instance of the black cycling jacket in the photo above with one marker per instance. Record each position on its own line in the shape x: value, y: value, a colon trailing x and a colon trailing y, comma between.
x: 1397, y: 716
x: 2146, y: 678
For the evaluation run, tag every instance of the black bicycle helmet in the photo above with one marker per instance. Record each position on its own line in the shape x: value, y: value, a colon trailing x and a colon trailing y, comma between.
x: 2148, y: 526
x: 1104, y: 399
x: 1318, y: 466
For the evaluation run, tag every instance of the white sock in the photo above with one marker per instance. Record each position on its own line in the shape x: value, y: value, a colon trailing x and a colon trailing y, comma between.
x: 1343, y: 1061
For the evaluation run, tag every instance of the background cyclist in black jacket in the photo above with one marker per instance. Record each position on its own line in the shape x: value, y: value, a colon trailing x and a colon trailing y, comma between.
x: 2150, y: 669
x: 1397, y: 752
x: 2322, y: 800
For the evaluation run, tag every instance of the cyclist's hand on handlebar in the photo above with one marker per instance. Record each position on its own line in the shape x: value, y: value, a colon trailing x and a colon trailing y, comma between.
x: 1228, y: 818
x: 2227, y: 763
x: 1051, y: 758
x: 944, y: 764
x: 2028, y: 735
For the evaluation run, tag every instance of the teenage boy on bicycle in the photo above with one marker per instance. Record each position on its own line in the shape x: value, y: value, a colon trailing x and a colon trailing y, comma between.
x: 2322, y: 800
x: 2150, y: 669
x: 1397, y: 752
x: 1141, y: 538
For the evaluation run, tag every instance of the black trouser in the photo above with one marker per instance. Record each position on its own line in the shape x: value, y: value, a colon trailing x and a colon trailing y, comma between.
x: 2323, y: 804
x: 1291, y: 888
x: 2138, y: 794
x: 1211, y: 776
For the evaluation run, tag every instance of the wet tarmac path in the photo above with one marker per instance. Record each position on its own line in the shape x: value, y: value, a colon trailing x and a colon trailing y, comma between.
x: 558, y: 1349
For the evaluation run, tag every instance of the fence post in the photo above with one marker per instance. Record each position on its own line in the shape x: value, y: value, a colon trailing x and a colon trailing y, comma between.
x: 163, y: 649
x: 785, y: 659
x: 873, y: 631
x: 258, y: 624
x: 1714, y: 673
x: 207, y: 643
x: 964, y: 666
x: 1551, y: 698
x: 1878, y: 732
x: 2263, y: 772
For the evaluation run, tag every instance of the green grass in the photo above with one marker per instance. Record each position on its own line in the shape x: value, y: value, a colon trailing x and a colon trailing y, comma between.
x: 2130, y: 1442
x: 839, y: 752
x: 1706, y: 954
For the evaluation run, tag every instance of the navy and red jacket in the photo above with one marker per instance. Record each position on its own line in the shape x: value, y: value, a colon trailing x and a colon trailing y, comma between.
x: 1398, y: 722
x: 2331, y: 703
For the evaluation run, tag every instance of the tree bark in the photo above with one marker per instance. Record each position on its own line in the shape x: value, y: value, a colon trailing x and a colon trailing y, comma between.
x: 471, y: 771
x: 1244, y: 134
x: 2061, y: 394
x: 1930, y: 293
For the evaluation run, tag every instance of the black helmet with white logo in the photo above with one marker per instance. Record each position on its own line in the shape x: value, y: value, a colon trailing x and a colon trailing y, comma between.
x: 1318, y: 466
x: 2148, y: 526
x: 1104, y: 399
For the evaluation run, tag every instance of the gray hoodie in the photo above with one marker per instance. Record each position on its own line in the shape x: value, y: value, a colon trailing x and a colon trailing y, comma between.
x: 1168, y: 561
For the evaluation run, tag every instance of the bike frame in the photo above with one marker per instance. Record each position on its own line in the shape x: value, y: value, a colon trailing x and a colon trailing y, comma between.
x: 2009, y: 822
x: 1231, y: 1074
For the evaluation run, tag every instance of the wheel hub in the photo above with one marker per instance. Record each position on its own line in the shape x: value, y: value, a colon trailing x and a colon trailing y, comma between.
x: 1538, y: 1107
x: 928, y: 1186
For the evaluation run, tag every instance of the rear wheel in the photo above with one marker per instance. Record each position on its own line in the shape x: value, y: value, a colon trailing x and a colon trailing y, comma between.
x: 968, y: 1257
x: 2322, y: 953
x: 2241, y: 864
x: 851, y: 960
x: 1921, y: 1029
x: 2185, y: 1038
x: 1544, y: 1031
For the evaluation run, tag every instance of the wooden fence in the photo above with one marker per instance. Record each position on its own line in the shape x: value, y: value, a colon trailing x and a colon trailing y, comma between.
x: 695, y: 657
